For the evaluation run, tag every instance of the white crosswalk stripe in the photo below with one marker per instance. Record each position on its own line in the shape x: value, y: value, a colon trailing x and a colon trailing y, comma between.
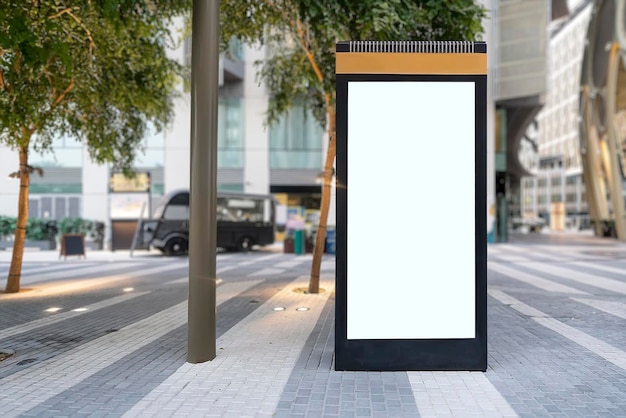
x: 512, y: 258
x: 266, y: 272
x: 77, y: 280
x: 614, y: 308
x: 27, y: 271
x: 602, y: 267
x: 474, y: 395
x: 580, y: 277
x: 523, y: 252
x: 256, y: 260
x: 29, y: 278
x: 533, y: 280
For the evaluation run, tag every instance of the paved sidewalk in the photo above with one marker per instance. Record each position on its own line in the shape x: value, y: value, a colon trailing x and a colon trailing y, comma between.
x: 557, y: 345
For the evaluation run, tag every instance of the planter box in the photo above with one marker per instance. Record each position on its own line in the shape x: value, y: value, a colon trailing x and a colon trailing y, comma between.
x: 30, y: 245
x: 93, y: 245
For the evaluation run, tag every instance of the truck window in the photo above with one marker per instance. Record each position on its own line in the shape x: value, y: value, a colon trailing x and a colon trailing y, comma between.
x: 176, y: 212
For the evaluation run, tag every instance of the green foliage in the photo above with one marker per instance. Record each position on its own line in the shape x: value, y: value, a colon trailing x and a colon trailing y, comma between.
x: 302, y: 32
x: 40, y: 229
x: 7, y: 226
x: 94, y: 70
x: 75, y: 226
x: 87, y: 227
x: 37, y: 229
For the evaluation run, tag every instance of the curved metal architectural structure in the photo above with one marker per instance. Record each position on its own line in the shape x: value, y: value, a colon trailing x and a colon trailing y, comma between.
x: 603, y: 117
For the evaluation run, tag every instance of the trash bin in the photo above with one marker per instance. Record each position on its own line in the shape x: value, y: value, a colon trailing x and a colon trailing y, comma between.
x: 330, y: 241
x: 298, y: 247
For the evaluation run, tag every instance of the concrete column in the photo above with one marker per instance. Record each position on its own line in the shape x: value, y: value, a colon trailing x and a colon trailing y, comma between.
x: 177, y: 151
x: 176, y: 137
x: 489, y: 25
x: 95, y: 197
x: 534, y: 192
x: 256, y: 172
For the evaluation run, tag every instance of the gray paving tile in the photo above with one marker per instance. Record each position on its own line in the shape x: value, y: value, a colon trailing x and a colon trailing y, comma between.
x: 537, y: 371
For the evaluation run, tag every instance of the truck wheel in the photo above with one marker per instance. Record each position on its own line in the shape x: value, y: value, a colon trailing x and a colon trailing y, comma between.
x: 176, y: 246
x: 245, y: 244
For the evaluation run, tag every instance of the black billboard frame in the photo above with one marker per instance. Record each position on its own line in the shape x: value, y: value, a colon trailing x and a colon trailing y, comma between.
x: 411, y: 354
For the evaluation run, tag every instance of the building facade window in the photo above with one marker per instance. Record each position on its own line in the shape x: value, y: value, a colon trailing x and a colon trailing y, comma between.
x: 296, y: 141
x: 238, y: 188
x: 59, y: 169
x: 60, y: 188
x: 235, y: 47
x: 66, y: 152
x: 230, y: 133
x: 152, y: 154
x: 54, y: 207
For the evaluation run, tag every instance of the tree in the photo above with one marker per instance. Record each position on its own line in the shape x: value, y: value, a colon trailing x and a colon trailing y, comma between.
x: 301, y: 36
x: 95, y: 70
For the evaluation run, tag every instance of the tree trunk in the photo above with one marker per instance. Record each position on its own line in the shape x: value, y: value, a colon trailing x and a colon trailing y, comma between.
x: 320, y: 237
x: 15, y: 271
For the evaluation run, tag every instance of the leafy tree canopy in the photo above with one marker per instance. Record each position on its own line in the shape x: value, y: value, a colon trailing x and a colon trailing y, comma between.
x: 302, y: 35
x: 95, y: 70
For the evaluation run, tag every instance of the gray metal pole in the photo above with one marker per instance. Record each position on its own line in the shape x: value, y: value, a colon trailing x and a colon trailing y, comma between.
x: 203, y: 197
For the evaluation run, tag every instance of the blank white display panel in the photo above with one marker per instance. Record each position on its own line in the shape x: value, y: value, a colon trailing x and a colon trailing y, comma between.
x: 411, y: 210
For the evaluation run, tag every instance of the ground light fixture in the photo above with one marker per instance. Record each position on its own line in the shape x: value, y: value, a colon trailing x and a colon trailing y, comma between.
x: 128, y: 289
x: 302, y: 309
x: 279, y: 309
x: 80, y: 310
x: 5, y: 353
x: 53, y: 309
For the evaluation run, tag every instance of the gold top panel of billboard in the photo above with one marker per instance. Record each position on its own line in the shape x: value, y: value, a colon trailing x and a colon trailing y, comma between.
x: 453, y: 58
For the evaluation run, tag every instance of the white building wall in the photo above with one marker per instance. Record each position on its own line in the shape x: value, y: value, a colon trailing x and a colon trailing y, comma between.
x: 9, y: 187
x: 95, y: 186
x: 177, y: 147
x: 256, y: 172
x: 558, y: 127
x: 521, y: 47
x: 177, y: 136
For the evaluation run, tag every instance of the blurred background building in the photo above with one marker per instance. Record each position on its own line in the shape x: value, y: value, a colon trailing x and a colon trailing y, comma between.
x: 521, y: 75
x: 535, y: 168
x: 575, y: 146
x: 555, y: 190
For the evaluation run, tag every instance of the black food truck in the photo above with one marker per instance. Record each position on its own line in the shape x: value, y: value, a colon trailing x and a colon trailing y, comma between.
x: 243, y: 220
